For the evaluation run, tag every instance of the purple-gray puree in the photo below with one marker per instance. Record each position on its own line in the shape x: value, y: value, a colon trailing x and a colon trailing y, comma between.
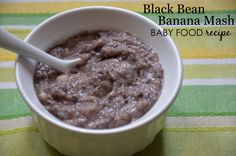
x: 118, y: 81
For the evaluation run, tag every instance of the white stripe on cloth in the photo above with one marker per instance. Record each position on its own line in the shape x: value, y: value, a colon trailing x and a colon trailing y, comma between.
x: 189, y: 82
x: 8, y: 64
x: 171, y: 122
x: 210, y: 61
x: 7, y: 85
x: 16, y: 123
x: 210, y: 82
x: 210, y: 121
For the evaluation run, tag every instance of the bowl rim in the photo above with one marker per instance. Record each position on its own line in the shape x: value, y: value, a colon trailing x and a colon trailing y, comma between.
x: 120, y: 129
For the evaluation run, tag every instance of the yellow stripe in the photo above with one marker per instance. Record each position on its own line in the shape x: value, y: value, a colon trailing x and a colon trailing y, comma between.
x: 201, y: 53
x: 6, y: 55
x: 206, y: 46
x: 189, y: 47
x: 53, y: 7
x: 21, y: 33
x: 18, y: 130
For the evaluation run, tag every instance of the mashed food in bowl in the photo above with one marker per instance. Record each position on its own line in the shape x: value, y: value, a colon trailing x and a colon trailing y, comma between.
x: 119, y: 81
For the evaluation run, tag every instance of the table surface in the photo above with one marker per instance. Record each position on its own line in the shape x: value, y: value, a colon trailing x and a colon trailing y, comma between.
x: 202, y: 120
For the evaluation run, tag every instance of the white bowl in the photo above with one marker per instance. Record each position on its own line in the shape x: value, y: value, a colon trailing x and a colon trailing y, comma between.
x: 121, y: 141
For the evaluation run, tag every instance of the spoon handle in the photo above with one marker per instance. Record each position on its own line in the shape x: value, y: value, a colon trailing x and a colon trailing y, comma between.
x: 12, y: 43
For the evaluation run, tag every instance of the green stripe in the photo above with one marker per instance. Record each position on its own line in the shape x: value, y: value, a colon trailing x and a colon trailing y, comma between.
x: 34, y: 19
x: 209, y: 71
x: 7, y: 75
x: 190, y: 72
x: 25, y: 143
x: 204, y: 101
x: 12, y: 105
x: 166, y: 143
x: 192, y: 144
x: 23, y: 19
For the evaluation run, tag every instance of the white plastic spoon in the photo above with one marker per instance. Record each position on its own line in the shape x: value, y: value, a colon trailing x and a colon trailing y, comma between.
x: 12, y: 43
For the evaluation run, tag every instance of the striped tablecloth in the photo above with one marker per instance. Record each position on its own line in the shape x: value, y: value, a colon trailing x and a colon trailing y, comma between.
x: 201, y: 122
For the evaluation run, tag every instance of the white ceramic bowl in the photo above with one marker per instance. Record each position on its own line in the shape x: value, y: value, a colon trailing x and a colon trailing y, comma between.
x: 121, y: 141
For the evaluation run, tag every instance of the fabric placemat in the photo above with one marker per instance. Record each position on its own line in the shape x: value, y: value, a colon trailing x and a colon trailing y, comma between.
x: 201, y: 122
